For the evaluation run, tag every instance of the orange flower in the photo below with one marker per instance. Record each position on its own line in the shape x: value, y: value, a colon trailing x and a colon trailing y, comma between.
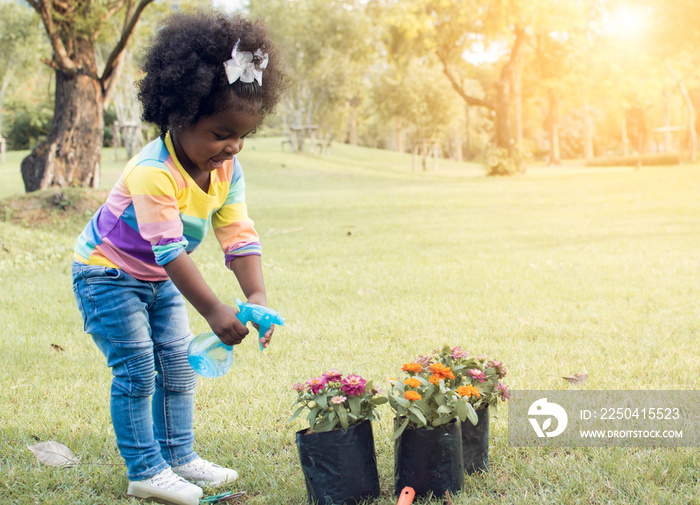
x: 468, y: 391
x: 412, y: 367
x: 435, y: 379
x: 414, y: 383
x: 412, y: 396
x: 441, y: 371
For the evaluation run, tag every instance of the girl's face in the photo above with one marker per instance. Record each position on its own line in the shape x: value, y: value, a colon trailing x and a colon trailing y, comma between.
x: 213, y: 140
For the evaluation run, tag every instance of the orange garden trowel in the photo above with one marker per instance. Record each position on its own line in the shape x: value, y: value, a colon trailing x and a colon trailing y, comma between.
x: 406, y: 497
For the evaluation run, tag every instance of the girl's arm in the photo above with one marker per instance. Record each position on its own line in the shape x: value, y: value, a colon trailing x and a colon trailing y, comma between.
x: 248, y: 272
x: 221, y: 317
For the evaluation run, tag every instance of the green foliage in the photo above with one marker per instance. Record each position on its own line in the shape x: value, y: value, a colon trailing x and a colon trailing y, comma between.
x: 29, y: 119
x: 332, y: 401
x: 21, y: 48
x: 446, y: 385
x: 482, y: 374
x: 330, y: 48
x: 499, y: 162
x: 425, y: 404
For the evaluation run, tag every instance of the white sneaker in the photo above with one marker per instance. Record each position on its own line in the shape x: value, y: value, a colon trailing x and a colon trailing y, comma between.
x: 205, y: 473
x: 166, y: 487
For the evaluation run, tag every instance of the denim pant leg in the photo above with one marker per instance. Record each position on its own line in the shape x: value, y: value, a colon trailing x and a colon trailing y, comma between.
x: 173, y: 400
x: 117, y: 312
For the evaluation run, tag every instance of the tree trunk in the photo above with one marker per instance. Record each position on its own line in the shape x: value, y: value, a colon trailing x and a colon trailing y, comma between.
x: 667, y: 121
x: 692, y: 134
x: 70, y: 155
x: 502, y: 127
x: 502, y: 135
x: 588, y: 151
x: 623, y: 134
x: 399, y: 135
x: 352, y: 121
x: 518, y: 102
x: 552, y: 126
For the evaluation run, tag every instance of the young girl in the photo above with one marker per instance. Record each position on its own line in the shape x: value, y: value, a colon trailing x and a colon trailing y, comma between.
x: 209, y: 80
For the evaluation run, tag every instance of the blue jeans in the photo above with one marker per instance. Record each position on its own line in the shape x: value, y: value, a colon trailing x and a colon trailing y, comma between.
x: 142, y: 329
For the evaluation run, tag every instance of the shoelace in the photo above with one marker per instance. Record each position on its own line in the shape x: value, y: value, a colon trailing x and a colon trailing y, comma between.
x: 201, y: 466
x: 166, y: 480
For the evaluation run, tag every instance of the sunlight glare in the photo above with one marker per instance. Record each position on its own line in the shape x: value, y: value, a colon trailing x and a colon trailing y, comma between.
x: 625, y: 21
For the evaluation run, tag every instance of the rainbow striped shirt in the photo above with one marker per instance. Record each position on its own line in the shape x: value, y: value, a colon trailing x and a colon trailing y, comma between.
x: 156, y: 211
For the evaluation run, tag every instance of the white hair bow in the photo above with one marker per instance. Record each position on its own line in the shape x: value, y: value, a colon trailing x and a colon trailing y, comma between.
x: 242, y: 65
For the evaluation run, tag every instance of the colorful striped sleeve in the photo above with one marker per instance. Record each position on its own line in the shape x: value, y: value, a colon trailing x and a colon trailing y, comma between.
x: 233, y: 228
x: 155, y: 204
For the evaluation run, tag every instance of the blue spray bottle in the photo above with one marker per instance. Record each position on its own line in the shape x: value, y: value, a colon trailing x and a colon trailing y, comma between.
x: 211, y: 358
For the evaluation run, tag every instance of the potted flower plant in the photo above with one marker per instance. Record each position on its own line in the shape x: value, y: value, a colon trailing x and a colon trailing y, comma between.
x: 427, y: 436
x: 337, y: 449
x: 479, y: 381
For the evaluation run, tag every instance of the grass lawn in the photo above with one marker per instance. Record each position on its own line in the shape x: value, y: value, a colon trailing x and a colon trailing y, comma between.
x: 559, y: 271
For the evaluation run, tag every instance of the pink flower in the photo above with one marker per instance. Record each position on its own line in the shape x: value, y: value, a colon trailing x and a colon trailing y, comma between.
x: 424, y: 361
x: 457, y: 352
x: 477, y: 374
x: 332, y: 375
x: 503, y: 389
x: 338, y: 399
x: 299, y: 387
x: 316, y: 384
x: 499, y: 367
x: 353, y: 385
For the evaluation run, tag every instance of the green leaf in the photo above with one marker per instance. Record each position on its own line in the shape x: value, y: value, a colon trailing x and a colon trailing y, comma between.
x: 343, y: 416
x: 417, y: 412
x: 354, y: 402
x: 399, y: 430
x: 327, y: 425
x: 471, y: 414
x: 442, y: 420
x: 444, y: 409
x: 402, y: 401
x: 321, y: 401
x: 461, y: 408
x: 296, y: 414
x: 312, y: 415
x: 379, y: 400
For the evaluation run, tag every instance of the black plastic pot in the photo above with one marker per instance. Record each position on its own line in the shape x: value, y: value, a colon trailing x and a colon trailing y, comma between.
x: 475, y: 443
x: 340, y: 466
x: 429, y: 461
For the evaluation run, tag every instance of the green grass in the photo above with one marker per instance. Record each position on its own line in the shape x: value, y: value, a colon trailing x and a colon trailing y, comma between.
x: 556, y: 272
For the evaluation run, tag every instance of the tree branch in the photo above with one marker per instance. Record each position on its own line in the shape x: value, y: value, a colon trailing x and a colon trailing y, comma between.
x: 61, y: 60
x: 457, y: 86
x: 111, y: 84
x: 127, y: 32
x: 114, y: 8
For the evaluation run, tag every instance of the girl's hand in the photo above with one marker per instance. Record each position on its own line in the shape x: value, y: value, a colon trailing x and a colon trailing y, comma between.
x: 265, y: 341
x: 259, y: 298
x: 223, y: 321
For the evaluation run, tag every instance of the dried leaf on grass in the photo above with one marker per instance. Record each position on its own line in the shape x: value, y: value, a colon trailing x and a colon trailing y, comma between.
x: 577, y: 378
x: 57, y: 348
x: 54, y: 454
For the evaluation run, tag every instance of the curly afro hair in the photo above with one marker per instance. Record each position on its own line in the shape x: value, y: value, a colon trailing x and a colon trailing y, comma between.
x: 185, y: 77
